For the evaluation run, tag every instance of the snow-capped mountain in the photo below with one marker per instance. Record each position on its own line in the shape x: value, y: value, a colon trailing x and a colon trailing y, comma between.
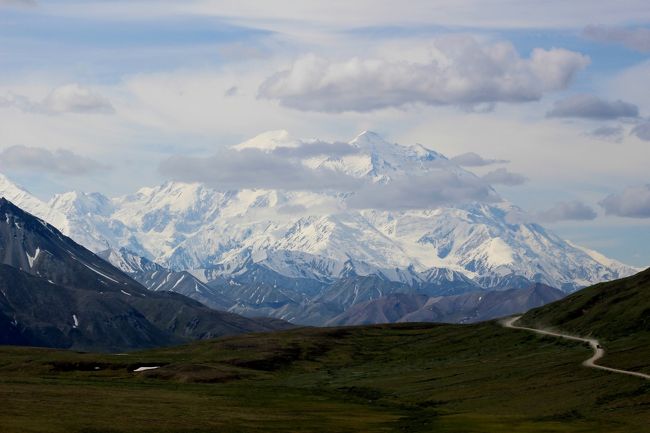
x: 318, y: 236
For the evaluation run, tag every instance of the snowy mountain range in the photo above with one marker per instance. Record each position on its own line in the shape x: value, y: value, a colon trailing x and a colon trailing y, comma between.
x: 224, y: 237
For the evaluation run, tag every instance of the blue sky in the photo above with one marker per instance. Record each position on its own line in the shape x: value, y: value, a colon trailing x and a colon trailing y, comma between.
x: 129, y: 84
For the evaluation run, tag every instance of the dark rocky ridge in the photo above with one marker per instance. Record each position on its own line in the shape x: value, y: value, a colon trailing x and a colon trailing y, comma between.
x: 55, y: 293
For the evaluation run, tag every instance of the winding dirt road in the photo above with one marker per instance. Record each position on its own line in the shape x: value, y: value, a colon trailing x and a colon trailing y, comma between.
x: 599, y: 352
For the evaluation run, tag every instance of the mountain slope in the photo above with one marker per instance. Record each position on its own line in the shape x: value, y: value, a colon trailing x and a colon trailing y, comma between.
x: 617, y: 313
x: 160, y: 279
x: 611, y: 310
x: 39, y: 313
x: 62, y: 295
x: 465, y: 308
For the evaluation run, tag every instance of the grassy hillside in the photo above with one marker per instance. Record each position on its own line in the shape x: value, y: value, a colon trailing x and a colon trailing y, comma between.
x: 608, y: 310
x: 393, y: 378
x: 617, y: 313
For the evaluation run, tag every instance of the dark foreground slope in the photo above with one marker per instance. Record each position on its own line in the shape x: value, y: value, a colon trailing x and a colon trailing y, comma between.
x: 616, y: 312
x: 392, y: 378
x: 55, y: 293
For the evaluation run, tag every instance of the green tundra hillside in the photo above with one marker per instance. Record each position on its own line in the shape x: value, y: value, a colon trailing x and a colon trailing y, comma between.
x: 387, y: 378
x: 616, y: 312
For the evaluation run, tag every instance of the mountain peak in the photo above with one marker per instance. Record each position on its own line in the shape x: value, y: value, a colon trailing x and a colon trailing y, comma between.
x: 268, y: 141
x: 376, y: 144
x: 16, y: 194
x: 369, y: 135
x: 370, y: 139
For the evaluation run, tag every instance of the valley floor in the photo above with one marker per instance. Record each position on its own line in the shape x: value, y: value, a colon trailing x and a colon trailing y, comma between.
x: 392, y: 378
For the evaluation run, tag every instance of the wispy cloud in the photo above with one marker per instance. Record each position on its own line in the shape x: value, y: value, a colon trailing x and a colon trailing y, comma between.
x: 71, y: 98
x: 502, y: 176
x: 567, y: 210
x: 316, y: 148
x: 253, y: 168
x: 608, y: 133
x: 637, y: 39
x: 632, y: 202
x: 642, y: 130
x: 231, y: 91
x: 423, y: 191
x: 471, y: 159
x: 42, y: 160
x: 592, y: 107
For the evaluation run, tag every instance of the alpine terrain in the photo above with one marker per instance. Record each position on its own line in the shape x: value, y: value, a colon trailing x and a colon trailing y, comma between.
x: 309, y: 256
x: 55, y: 293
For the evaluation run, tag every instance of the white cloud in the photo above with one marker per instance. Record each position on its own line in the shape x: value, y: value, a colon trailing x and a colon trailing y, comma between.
x: 501, y: 176
x: 438, y: 188
x: 567, y: 210
x: 460, y: 71
x: 633, y: 202
x: 38, y: 159
x: 637, y: 39
x: 253, y: 168
x: 592, y: 107
x: 70, y: 98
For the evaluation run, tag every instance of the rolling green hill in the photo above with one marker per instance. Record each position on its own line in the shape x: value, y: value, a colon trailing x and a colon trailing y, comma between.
x: 616, y: 312
x: 609, y: 310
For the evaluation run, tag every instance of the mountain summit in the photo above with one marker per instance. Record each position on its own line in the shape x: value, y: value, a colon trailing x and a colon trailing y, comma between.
x: 318, y: 237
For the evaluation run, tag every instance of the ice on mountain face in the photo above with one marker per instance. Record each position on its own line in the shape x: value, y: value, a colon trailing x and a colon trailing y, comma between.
x: 32, y: 259
x: 188, y: 226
